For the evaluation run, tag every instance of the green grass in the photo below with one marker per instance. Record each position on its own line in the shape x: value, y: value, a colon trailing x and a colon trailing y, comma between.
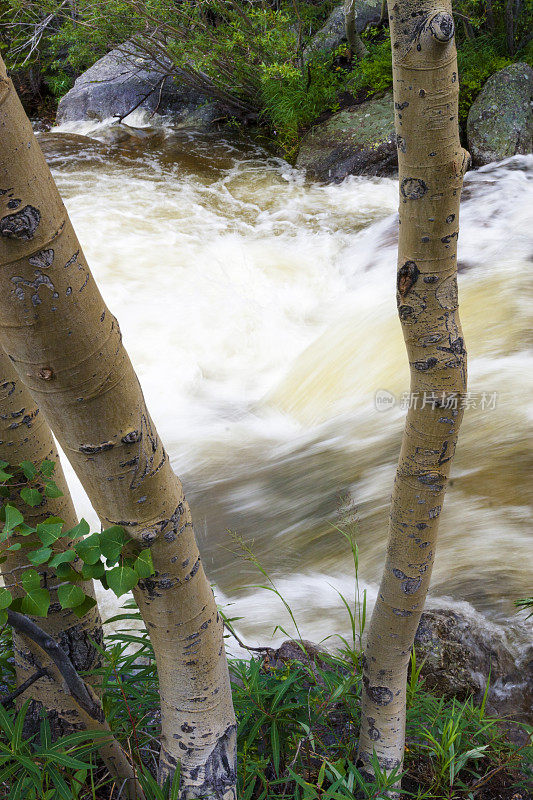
x: 297, y: 729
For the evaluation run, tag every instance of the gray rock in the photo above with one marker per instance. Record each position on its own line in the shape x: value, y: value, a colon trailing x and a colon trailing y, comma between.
x: 459, y: 653
x: 500, y: 121
x: 357, y: 141
x: 332, y: 33
x: 203, y: 118
x: 122, y: 80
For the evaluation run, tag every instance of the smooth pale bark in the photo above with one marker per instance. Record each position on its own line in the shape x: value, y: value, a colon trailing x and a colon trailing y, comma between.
x: 25, y: 436
x: 357, y: 45
x: 67, y: 348
x: 431, y: 166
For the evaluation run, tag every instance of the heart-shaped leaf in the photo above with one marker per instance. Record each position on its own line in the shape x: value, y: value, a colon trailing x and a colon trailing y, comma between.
x: 89, y: 549
x: 31, y: 579
x: 121, y: 579
x: 6, y: 598
x: 13, y: 518
x: 79, y: 531
x: 49, y: 532
x: 84, y: 607
x: 31, y: 497
x: 143, y: 565
x: 52, y: 490
x: 112, y: 541
x: 93, y: 570
x: 36, y: 602
x: 70, y: 596
x: 40, y: 556
x: 62, y: 558
x: 47, y: 468
x: 29, y: 469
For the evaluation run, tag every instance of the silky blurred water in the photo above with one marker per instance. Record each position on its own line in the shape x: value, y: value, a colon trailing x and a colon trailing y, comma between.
x: 259, y: 311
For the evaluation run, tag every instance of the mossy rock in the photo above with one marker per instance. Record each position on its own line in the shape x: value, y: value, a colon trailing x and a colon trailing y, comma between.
x: 500, y: 122
x: 357, y: 141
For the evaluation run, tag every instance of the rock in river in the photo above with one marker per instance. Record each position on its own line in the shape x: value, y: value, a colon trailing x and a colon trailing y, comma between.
x: 500, y: 121
x: 123, y: 80
x: 357, y: 141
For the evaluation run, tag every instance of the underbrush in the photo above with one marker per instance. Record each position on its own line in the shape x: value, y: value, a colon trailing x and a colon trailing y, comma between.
x: 253, y: 58
x: 298, y: 716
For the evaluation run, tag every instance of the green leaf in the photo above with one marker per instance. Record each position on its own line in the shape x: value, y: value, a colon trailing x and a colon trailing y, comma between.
x: 31, y: 497
x: 121, y: 580
x: 52, y: 490
x: 93, y: 570
x: 47, y: 468
x: 62, y: 558
x: 13, y: 518
x: 36, y: 602
x: 78, y: 531
x: 6, y: 598
x: 89, y: 549
x: 29, y: 469
x: 3, y: 617
x: 83, y: 608
x: 14, y: 547
x: 274, y: 740
x: 31, y: 579
x: 49, y: 532
x: 66, y: 573
x: 70, y: 596
x: 40, y: 556
x: 111, y: 542
x: 4, y: 476
x: 143, y: 565
x: 25, y: 530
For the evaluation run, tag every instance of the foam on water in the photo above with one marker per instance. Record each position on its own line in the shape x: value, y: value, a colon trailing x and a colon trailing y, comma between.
x: 259, y: 312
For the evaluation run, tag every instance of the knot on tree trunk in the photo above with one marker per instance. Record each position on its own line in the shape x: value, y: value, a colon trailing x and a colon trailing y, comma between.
x: 441, y: 26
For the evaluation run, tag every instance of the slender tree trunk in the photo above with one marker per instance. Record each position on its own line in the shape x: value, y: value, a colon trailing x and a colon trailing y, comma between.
x: 431, y: 166
x: 25, y: 436
x: 357, y: 46
x: 67, y: 348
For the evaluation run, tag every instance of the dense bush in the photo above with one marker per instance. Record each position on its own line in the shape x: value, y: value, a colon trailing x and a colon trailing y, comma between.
x: 250, y: 55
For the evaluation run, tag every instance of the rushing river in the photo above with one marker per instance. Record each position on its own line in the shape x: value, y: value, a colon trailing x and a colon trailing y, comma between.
x: 259, y: 312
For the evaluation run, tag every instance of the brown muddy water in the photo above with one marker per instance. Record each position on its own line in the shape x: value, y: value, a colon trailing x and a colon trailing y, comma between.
x: 259, y: 311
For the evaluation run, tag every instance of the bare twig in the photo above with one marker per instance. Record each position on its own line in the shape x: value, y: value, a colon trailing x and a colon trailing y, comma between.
x: 8, y: 699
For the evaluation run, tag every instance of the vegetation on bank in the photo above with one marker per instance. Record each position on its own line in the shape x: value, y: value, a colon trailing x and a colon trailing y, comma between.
x: 298, y: 707
x: 297, y: 728
x: 252, y: 57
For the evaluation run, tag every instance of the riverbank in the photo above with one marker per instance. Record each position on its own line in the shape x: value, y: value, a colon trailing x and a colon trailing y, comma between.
x: 297, y: 708
x: 285, y: 72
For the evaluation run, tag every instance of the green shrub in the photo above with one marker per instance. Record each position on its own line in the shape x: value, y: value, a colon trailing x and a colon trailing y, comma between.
x: 477, y: 60
x: 374, y: 73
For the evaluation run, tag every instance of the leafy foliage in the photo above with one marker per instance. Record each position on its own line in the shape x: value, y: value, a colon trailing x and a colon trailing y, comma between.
x: 68, y: 557
x: 297, y: 733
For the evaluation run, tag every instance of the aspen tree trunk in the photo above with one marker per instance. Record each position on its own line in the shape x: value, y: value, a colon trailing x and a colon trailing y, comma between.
x: 67, y: 348
x: 25, y: 436
x: 431, y: 166
x: 357, y: 45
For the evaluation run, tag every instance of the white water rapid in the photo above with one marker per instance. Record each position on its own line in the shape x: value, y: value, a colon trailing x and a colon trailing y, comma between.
x: 259, y: 312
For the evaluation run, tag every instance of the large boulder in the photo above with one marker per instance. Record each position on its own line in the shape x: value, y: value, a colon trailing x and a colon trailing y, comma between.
x: 123, y: 80
x: 460, y: 653
x: 357, y: 141
x: 332, y: 34
x: 500, y: 121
